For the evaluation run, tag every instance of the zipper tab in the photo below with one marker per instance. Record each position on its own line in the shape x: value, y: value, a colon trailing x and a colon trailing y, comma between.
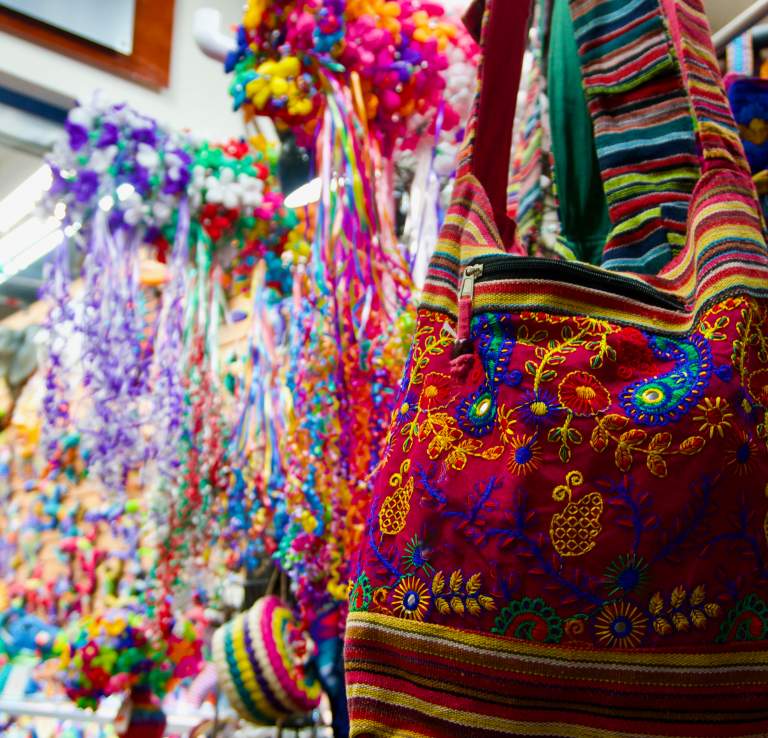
x: 466, y: 295
x: 471, y: 273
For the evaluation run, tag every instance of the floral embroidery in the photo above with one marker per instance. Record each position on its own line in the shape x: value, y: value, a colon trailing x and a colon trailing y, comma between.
x: 525, y: 456
x: 627, y: 409
x: 626, y: 575
x: 620, y: 625
x: 529, y: 620
x: 740, y: 454
x: 715, y: 416
x: 410, y: 598
x: 406, y: 412
x: 751, y: 338
x: 582, y: 394
x: 574, y: 531
x: 758, y: 386
x: 540, y: 408
x: 448, y: 439
x: 748, y: 621
x: 437, y: 392
x: 415, y: 556
x: 681, y: 611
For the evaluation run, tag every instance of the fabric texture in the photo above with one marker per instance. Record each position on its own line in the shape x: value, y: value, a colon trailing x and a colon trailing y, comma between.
x: 568, y: 532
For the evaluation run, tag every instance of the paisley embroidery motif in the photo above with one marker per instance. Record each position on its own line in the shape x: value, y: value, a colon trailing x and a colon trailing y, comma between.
x: 477, y: 413
x: 748, y: 621
x: 666, y: 397
x: 529, y: 620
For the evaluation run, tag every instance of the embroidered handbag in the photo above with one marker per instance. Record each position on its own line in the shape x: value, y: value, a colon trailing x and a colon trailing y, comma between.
x: 568, y: 533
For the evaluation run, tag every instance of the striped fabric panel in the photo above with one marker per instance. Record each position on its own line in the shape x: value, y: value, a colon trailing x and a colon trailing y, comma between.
x: 715, y: 127
x: 528, y: 196
x: 643, y: 130
x: 467, y: 233
x: 438, y: 682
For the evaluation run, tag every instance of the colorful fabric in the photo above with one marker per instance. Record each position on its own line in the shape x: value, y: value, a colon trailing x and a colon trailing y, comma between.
x: 258, y: 666
x: 568, y: 533
x: 645, y: 138
x: 530, y: 197
x: 432, y: 682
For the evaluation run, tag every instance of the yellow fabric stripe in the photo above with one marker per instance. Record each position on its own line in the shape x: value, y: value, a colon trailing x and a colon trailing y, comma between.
x: 551, y: 301
x: 370, y: 728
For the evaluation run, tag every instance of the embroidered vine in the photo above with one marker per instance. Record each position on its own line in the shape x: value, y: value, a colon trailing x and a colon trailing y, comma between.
x: 656, y: 447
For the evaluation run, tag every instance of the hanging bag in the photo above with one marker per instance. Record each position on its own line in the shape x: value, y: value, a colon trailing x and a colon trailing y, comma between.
x: 568, y: 532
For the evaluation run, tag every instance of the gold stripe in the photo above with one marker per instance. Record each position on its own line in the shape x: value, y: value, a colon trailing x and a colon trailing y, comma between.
x: 370, y: 728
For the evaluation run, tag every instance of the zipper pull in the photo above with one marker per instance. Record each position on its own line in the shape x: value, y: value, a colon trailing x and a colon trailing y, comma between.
x: 463, y: 343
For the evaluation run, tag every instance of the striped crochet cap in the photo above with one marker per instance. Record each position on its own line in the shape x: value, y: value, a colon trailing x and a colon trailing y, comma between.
x: 257, y: 668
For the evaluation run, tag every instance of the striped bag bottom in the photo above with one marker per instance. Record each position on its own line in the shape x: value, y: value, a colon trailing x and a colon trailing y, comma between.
x: 408, y: 679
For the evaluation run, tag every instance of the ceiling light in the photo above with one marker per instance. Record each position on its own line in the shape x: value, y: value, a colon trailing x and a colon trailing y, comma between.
x: 304, y: 195
x: 31, y: 230
x: 20, y: 202
x: 24, y: 245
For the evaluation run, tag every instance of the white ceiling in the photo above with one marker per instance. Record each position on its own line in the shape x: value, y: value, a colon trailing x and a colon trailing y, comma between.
x: 721, y: 11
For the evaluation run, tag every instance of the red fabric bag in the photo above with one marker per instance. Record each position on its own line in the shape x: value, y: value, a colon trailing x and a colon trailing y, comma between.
x: 568, y: 533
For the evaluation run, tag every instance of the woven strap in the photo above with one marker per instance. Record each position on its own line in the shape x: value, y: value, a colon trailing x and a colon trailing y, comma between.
x: 503, y: 34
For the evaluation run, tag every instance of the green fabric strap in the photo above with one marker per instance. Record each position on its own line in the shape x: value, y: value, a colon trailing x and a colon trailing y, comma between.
x: 582, y: 205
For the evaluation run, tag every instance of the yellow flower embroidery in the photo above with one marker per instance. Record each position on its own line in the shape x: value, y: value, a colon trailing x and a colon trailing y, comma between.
x: 525, y: 456
x: 715, y: 416
x: 410, y: 598
x: 621, y: 624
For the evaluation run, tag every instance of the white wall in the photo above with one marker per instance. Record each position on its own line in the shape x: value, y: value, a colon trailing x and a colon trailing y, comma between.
x: 197, y: 98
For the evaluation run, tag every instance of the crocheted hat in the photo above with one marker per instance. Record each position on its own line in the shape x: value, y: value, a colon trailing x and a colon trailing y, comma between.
x: 256, y: 656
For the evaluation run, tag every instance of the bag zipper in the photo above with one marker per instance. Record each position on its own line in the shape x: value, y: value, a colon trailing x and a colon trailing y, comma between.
x: 519, y: 267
